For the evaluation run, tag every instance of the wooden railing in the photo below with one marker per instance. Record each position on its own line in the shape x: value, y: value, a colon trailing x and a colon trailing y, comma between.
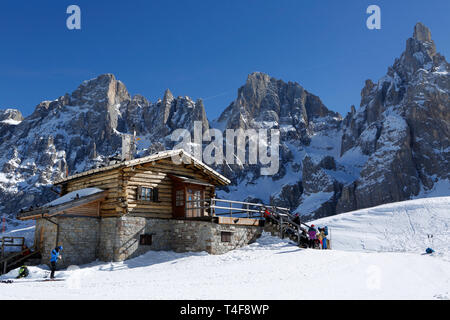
x: 222, y: 207
x: 287, y: 223
x: 10, y: 242
x: 16, y: 258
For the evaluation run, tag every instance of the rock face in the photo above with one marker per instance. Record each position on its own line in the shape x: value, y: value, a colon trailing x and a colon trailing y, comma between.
x: 265, y: 102
x: 393, y: 147
x: 9, y: 118
x: 403, y: 125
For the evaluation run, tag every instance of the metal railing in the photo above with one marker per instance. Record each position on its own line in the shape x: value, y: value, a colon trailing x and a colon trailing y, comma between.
x: 221, y: 207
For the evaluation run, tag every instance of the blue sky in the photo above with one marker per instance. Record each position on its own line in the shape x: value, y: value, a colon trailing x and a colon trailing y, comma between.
x: 206, y: 48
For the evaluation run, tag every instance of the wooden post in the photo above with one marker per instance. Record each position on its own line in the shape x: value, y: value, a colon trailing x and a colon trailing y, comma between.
x: 41, y: 240
x: 281, y: 228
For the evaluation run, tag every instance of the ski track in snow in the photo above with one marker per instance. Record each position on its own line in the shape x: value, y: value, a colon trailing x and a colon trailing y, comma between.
x: 377, y: 254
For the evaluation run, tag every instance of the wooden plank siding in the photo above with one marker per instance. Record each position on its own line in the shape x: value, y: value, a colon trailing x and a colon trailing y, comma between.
x: 111, y: 181
x: 122, y: 184
x: 155, y: 175
x: 87, y: 210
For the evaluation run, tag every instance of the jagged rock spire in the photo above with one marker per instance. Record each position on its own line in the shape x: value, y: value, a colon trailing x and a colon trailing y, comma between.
x: 422, y: 33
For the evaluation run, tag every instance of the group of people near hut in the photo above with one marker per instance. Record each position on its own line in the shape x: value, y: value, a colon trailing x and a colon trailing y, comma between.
x: 318, y: 237
x: 313, y: 238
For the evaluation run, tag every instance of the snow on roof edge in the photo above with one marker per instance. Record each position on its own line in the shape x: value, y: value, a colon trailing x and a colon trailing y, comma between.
x: 153, y: 157
x: 73, y: 195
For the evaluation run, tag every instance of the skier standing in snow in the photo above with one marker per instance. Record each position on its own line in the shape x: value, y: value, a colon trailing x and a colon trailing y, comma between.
x: 55, y: 256
x: 312, y: 236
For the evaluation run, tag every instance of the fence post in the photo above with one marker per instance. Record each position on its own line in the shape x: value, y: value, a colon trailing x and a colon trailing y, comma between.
x: 231, y: 211
x: 281, y: 228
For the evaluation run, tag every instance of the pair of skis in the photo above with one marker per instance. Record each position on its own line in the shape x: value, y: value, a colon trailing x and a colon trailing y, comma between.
x: 29, y: 280
x: 46, y: 278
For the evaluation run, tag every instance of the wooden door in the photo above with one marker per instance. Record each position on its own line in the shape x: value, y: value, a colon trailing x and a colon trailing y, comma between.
x: 186, y: 199
x: 178, y: 203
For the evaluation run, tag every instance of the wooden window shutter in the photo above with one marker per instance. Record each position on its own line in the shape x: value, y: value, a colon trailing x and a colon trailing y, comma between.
x: 155, y: 195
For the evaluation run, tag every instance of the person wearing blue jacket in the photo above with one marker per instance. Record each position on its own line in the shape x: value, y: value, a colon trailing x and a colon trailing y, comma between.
x: 55, y: 256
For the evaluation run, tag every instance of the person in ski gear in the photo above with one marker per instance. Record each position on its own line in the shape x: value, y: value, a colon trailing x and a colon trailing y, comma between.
x: 23, y: 272
x: 429, y: 251
x: 296, y: 219
x: 312, y: 235
x: 325, y: 229
x: 304, y: 240
x: 320, y: 237
x: 55, y: 256
x: 323, y: 237
x: 25, y: 250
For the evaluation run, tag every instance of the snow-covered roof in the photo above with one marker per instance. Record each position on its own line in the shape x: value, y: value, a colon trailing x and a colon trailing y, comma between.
x: 77, y: 194
x: 71, y: 200
x: 154, y: 157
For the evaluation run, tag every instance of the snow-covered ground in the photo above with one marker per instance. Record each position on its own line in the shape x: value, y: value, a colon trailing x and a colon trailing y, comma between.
x: 377, y: 254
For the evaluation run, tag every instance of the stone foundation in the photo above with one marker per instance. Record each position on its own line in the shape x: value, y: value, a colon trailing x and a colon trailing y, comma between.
x: 78, y: 236
x: 117, y: 239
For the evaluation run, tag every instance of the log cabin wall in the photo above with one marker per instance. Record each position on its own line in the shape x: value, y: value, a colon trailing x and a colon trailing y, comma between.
x: 86, y: 210
x: 122, y: 184
x: 112, y: 181
x: 155, y: 175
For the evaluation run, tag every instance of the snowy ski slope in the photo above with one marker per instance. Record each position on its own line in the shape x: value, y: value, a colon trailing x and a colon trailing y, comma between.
x: 378, y: 254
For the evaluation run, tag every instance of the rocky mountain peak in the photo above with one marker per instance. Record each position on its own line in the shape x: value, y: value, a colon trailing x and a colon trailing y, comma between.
x: 419, y: 54
x: 422, y: 33
x: 400, y: 127
x: 104, y: 88
x: 168, y: 97
x: 10, y: 114
x: 264, y: 101
x: 257, y: 80
x: 9, y: 118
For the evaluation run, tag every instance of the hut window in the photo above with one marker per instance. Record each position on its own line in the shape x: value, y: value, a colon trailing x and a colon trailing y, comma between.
x: 179, y: 197
x: 145, y: 240
x: 226, y: 236
x: 148, y: 194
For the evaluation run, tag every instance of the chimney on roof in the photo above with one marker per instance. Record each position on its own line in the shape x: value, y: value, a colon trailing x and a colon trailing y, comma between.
x: 128, y: 146
x: 127, y: 153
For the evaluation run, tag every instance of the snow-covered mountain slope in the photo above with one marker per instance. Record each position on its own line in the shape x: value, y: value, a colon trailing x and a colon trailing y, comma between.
x: 395, y: 147
x: 396, y: 227
x: 377, y: 254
